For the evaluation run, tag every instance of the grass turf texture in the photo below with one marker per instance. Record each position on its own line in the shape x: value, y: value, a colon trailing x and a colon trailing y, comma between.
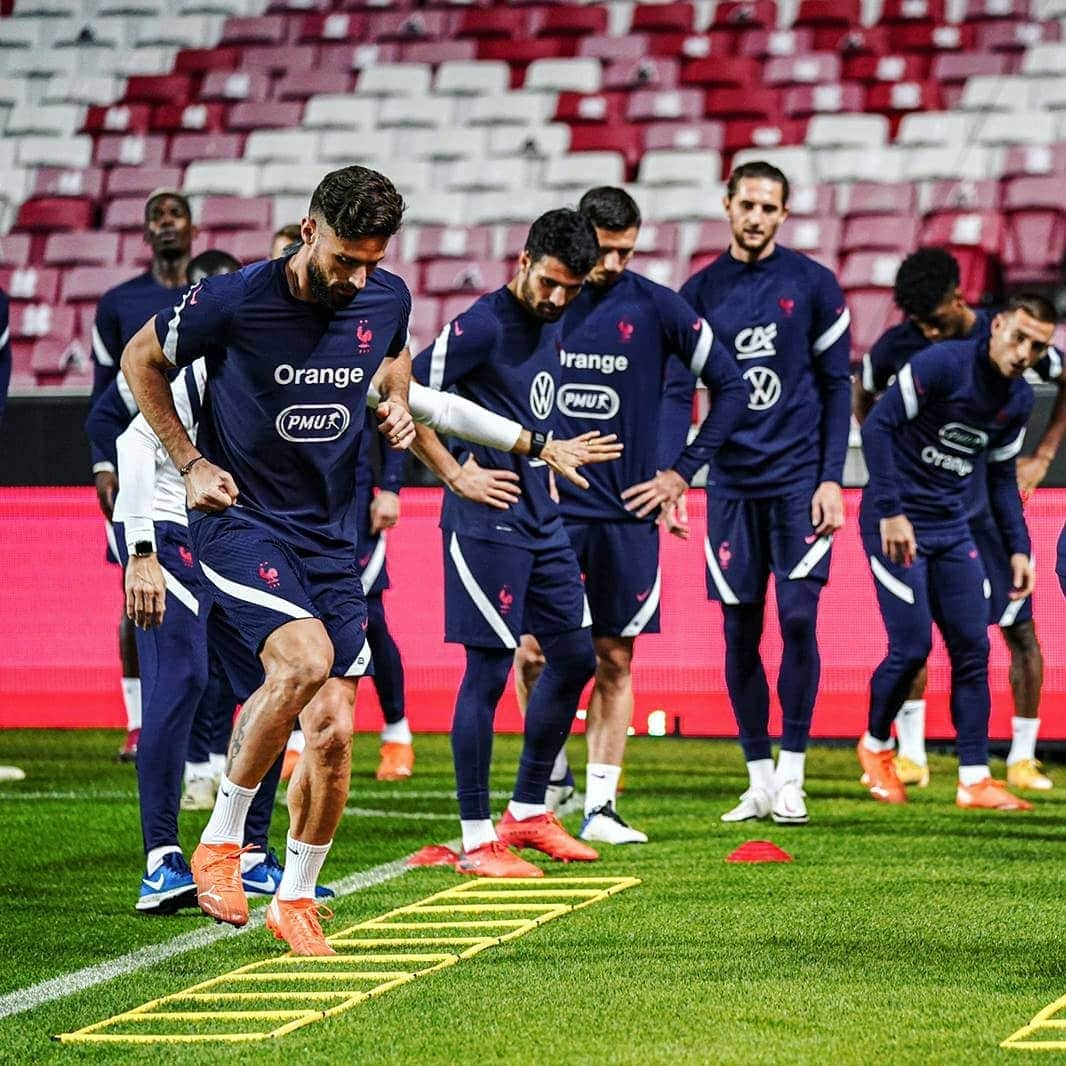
x: 916, y: 934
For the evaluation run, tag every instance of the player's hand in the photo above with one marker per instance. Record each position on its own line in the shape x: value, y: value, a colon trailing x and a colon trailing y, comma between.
x: 674, y: 519
x: 209, y: 487
x: 898, y: 542
x: 666, y: 488
x: 384, y: 511
x: 106, y: 491
x: 146, y: 591
x: 565, y: 456
x: 497, y: 488
x: 396, y: 424
x: 1031, y: 471
x: 827, y: 508
x: 1023, y: 576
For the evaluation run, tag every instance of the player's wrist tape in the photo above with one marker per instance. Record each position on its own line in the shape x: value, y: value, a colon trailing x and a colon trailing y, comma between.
x: 189, y: 465
x: 536, y: 443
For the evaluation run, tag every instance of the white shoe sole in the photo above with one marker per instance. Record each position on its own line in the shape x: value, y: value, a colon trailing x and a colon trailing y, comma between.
x: 752, y: 816
x: 790, y: 819
x: 606, y: 836
x: 166, y: 900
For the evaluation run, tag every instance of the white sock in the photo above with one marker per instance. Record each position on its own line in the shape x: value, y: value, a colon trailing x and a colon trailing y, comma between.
x: 226, y: 824
x: 197, y: 771
x: 789, y: 767
x: 131, y: 697
x: 217, y: 763
x: 250, y: 860
x: 1023, y: 743
x: 761, y: 775
x: 601, y: 785
x: 397, y: 732
x: 873, y: 744
x: 972, y: 775
x: 522, y: 811
x: 561, y: 766
x: 910, y: 729
x: 297, y: 741
x: 477, y: 831
x: 303, y: 864
x: 154, y: 859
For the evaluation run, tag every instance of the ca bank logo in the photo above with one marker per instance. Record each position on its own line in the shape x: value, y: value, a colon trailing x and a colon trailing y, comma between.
x: 313, y: 423
x: 542, y: 395
x: 756, y: 342
x: 765, y: 388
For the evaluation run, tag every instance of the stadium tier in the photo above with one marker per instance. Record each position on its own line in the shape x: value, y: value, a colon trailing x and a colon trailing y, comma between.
x: 900, y: 123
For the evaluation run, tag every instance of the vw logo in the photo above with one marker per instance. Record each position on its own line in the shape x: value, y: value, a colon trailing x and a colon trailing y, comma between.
x: 542, y: 395
x: 765, y: 388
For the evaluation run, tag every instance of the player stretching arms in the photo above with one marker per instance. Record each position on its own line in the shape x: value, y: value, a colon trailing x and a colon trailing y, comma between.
x: 927, y: 292
x: 511, y: 570
x: 949, y: 404
x: 169, y: 232
x: 773, y: 491
x: 618, y: 337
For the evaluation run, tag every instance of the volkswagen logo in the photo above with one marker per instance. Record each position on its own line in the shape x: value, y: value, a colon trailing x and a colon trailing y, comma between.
x: 542, y: 395
x: 765, y: 388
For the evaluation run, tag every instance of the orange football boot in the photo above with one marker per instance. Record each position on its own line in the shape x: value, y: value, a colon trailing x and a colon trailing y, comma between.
x: 879, y: 774
x: 544, y: 832
x: 495, y: 859
x: 288, y: 766
x: 296, y: 921
x: 216, y: 869
x: 397, y: 761
x: 989, y: 795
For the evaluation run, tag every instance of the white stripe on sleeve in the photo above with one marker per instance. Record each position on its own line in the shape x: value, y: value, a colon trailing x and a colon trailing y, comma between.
x: 703, y: 348
x: 439, y: 356
x: 1008, y: 451
x: 1054, y: 358
x: 832, y: 334
x: 906, y: 387
x: 103, y: 356
x: 868, y: 374
x: 5, y: 337
x: 170, y: 343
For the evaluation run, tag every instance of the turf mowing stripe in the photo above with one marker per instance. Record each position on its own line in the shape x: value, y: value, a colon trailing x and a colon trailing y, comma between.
x: 37, y: 995
x: 410, y: 816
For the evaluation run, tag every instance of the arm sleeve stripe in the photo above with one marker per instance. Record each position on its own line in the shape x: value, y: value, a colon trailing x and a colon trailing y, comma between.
x: 703, y: 348
x: 440, y: 354
x: 833, y: 333
x: 103, y: 356
x: 1054, y: 357
x: 1008, y: 451
x: 126, y: 393
x: 905, y: 378
x: 5, y: 337
x: 868, y: 374
x: 170, y: 343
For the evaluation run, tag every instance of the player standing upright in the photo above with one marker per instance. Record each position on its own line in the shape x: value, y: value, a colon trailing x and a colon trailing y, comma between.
x: 5, y: 351
x: 169, y: 232
x: 950, y: 403
x: 773, y: 492
x: 618, y: 338
x: 927, y: 291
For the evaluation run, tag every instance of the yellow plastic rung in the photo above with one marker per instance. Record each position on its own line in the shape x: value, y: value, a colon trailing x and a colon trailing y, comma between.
x: 459, y: 925
x: 199, y: 1015
x: 526, y: 893
x: 491, y: 908
x: 237, y: 997
x: 385, y: 941
x: 155, y: 1038
x: 361, y: 975
x: 435, y: 956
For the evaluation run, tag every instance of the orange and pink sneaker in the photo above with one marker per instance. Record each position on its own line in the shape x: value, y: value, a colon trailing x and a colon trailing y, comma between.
x: 216, y: 869
x: 495, y: 859
x: 397, y: 761
x: 989, y: 795
x: 298, y: 923
x: 545, y: 833
x: 879, y: 774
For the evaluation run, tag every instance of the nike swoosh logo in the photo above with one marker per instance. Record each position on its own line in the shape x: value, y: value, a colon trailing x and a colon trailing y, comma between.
x: 225, y: 793
x: 291, y: 852
x: 157, y: 883
x: 600, y: 777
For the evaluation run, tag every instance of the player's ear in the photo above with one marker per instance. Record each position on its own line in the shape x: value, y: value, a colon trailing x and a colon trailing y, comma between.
x: 524, y: 262
x: 308, y: 230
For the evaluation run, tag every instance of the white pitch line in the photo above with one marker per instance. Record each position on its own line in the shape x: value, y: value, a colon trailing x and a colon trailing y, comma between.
x: 37, y: 995
x: 409, y: 816
x: 395, y: 794
x: 131, y: 796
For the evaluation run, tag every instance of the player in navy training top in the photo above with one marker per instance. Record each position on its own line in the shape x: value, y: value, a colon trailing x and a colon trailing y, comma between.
x: 291, y: 347
x: 951, y: 403
x: 169, y: 232
x: 927, y: 292
x: 5, y: 350
x: 619, y: 335
x: 773, y: 491
x: 509, y: 567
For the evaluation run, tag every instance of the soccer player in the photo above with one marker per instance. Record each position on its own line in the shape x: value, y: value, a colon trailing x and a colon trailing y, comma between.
x: 927, y: 292
x: 773, y: 491
x: 949, y: 404
x: 618, y: 338
x: 5, y: 351
x: 169, y: 232
x: 509, y: 565
x: 282, y: 238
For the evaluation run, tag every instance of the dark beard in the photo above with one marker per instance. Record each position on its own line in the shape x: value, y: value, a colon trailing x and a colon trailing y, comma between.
x: 320, y: 290
x: 546, y: 312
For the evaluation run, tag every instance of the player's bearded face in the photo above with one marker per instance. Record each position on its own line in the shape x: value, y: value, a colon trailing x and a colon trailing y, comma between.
x: 1018, y: 341
x: 546, y: 286
x: 616, y: 250
x: 168, y: 229
x: 337, y: 270
x: 756, y: 211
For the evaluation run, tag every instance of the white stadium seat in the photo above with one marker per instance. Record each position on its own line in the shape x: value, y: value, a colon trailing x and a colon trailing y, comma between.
x: 1034, y: 127
x: 288, y: 179
x: 434, y: 208
x: 796, y: 161
x: 141, y: 60
x: 564, y: 75
x: 185, y: 31
x: 661, y: 167
x: 1044, y: 59
x: 491, y: 175
x: 681, y: 204
x: 847, y: 131
x: 582, y: 170
x: 936, y: 128
x: 973, y: 162
x: 222, y: 178
x: 277, y: 146
x: 395, y: 79
x: 371, y: 148
x: 988, y: 93
x: 544, y: 142
x: 88, y: 89
x: 510, y: 109
x: 415, y: 112
x: 860, y: 164
x: 460, y: 77
x: 447, y: 143
x: 340, y: 112
x: 55, y: 120
x: 71, y: 152
x: 504, y: 208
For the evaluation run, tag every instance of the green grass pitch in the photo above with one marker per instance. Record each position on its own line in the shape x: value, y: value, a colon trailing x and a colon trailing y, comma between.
x: 922, y: 934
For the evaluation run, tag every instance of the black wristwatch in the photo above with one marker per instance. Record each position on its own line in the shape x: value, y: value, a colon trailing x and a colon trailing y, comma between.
x: 536, y: 443
x: 143, y: 548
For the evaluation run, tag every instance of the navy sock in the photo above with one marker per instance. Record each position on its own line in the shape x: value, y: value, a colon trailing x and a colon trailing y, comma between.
x: 388, y: 666
x: 475, y: 709
x: 745, y: 677
x: 570, y: 663
x: 797, y: 682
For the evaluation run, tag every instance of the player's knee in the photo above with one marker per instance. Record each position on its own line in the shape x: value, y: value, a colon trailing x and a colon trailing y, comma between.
x: 572, y: 655
x: 613, y: 664
x: 297, y: 680
x: 1022, y: 642
x: 328, y: 724
x: 910, y: 650
x: 529, y: 661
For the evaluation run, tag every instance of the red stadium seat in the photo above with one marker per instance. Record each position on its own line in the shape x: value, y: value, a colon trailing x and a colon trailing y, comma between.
x: 880, y: 233
x: 410, y: 25
x: 452, y: 242
x: 89, y: 283
x: 749, y: 133
x: 896, y: 98
x: 59, y: 181
x: 961, y: 195
x: 631, y: 46
x: 869, y: 270
x: 140, y: 181
x: 627, y: 139
x: 1016, y: 36
x: 47, y: 213
x: 426, y: 319
x: 30, y: 284
x: 857, y: 41
x: 248, y: 246
x: 159, y: 88
x: 206, y: 118
x: 436, y: 52
x: 731, y: 72
x: 713, y: 237
x: 802, y: 101
x: 672, y: 18
x: 757, y: 104
x: 32, y: 321
x: 829, y: 13
x: 235, y: 212
x: 815, y: 68
x: 125, y: 214
x: 57, y: 358
x: 988, y: 10
x: 976, y: 239
x: 259, y: 29
x: 767, y: 44
x: 872, y: 312
x: 649, y: 105
x: 522, y: 53
x: 690, y: 45
x: 746, y: 14
x: 954, y: 68
x: 878, y: 198
x: 81, y: 249
x: 661, y: 239
x: 118, y: 118
x: 911, y: 11
x: 666, y: 272
x: 691, y: 135
x: 1035, y: 159
x: 359, y: 57
x: 193, y: 147
x: 501, y: 22
x: 235, y: 85
x: 14, y: 249
x: 202, y: 60
x: 133, y: 251
x: 274, y: 114
x: 309, y: 83
x: 130, y: 150
x: 1036, y: 229
x: 568, y: 21
x: 447, y: 276
x: 811, y: 201
x: 937, y: 39
x: 650, y: 72
x: 584, y: 108
x: 268, y: 59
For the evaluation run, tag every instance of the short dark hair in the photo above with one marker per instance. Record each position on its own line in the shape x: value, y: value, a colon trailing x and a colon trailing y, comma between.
x: 566, y: 235
x: 291, y: 232
x: 166, y: 193
x: 358, y: 202
x: 608, y: 207
x: 758, y: 168
x: 208, y: 264
x: 1035, y: 306
x: 925, y: 279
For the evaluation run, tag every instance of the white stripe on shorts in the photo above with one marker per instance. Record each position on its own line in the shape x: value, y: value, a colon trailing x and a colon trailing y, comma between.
x: 637, y: 623
x: 180, y: 592
x: 373, y: 565
x: 815, y: 554
x: 251, y: 595
x: 481, y: 601
x: 726, y: 594
x: 905, y: 380
x: 361, y: 664
x: 900, y: 589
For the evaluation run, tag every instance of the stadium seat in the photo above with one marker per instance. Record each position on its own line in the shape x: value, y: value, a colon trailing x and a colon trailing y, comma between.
x: 534, y: 142
x: 995, y: 94
x: 876, y: 198
x: 860, y: 164
x: 801, y: 101
x: 689, y: 135
x: 333, y: 26
x: 519, y: 54
x: 582, y: 170
x: 664, y: 271
x: 981, y: 230
x: 249, y: 246
x: 510, y: 109
x: 759, y: 105
x: 235, y: 85
x: 221, y: 178
x: 880, y: 233
x: 1035, y: 159
x: 30, y: 284
x: 190, y: 147
x: 896, y: 12
x: 563, y: 75
x: 85, y: 89
x: 936, y: 40
x: 886, y: 68
x: 292, y: 59
x: 955, y: 68
x: 848, y: 131
x: 415, y: 112
x: 649, y: 72
x: 340, y: 112
x: 796, y: 161
x: 260, y: 29
x: 234, y: 213
x: 936, y: 128
x: 446, y: 144
x: 53, y: 356
x: 204, y: 118
x: 182, y: 31
x: 736, y: 72
x: 601, y: 109
x: 436, y: 209
x: 449, y: 242
x: 1035, y: 238
x: 304, y: 84
x: 766, y: 44
x: 130, y: 150
x: 432, y: 25
x: 872, y: 312
x: 761, y: 134
x: 47, y: 213
x: 447, y: 277
x: 435, y: 52
x: 662, y: 240
x: 980, y: 10
x: 118, y: 118
x: 896, y: 98
x: 32, y: 321
x: 274, y: 114
x: 973, y: 162
x: 472, y: 78
x: 69, y: 152
x: 629, y: 140
x: 280, y: 179
x: 140, y: 181
x: 498, y: 22
x: 425, y: 321
x: 1034, y: 127
x: 633, y: 46
x: 649, y: 105
x: 660, y: 18
x: 667, y: 167
x: 290, y: 146
x: 1016, y: 36
x: 88, y: 283
x: 58, y: 181
x: 504, y: 208
x: 14, y: 249
x: 681, y: 204
x: 125, y: 214
x: 815, y: 68
x: 745, y: 14
x: 202, y: 60
x: 492, y: 175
